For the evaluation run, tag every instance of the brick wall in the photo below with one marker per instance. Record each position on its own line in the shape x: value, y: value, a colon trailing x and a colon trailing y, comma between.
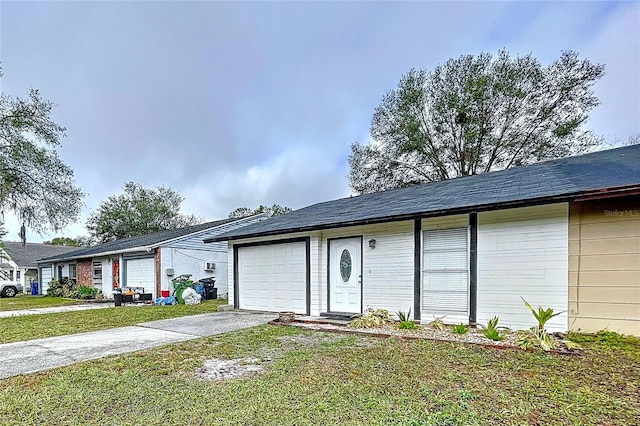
x: 84, y: 273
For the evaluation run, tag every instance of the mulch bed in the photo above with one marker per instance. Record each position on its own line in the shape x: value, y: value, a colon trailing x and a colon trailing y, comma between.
x: 474, y: 336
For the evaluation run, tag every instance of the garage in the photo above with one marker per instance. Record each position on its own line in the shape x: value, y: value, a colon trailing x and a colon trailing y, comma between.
x: 272, y: 277
x: 141, y: 273
x: 45, y: 278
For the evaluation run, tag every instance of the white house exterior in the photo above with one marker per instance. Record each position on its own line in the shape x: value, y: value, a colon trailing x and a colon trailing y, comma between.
x: 19, y: 261
x: 149, y: 261
x: 467, y: 249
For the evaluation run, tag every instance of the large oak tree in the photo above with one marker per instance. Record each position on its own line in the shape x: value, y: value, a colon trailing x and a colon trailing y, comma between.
x: 476, y: 114
x: 35, y: 184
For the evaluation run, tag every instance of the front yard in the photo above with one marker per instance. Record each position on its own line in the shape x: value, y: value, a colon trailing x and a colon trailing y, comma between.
x: 310, y: 377
x: 16, y: 329
x: 23, y: 301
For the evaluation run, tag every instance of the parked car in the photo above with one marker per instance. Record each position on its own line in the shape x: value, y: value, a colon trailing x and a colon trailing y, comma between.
x: 9, y: 288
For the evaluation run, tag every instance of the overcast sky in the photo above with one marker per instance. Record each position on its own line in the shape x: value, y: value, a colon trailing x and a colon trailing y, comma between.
x: 241, y: 104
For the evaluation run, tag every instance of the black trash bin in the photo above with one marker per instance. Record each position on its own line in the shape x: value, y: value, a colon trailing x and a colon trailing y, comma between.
x: 117, y: 297
x: 210, y: 291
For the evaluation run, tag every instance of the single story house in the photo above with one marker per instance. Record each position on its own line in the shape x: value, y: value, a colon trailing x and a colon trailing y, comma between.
x: 149, y: 261
x: 19, y: 261
x: 563, y: 234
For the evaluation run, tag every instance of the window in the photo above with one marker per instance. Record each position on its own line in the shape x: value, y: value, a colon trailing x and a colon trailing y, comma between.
x: 446, y: 271
x: 17, y: 275
x: 97, y: 270
x: 73, y: 271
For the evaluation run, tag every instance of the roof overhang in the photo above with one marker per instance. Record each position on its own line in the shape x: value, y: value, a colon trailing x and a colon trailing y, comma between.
x: 580, y: 196
x: 102, y: 254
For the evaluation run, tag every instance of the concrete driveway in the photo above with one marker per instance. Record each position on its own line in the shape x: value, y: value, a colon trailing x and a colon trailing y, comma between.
x: 43, y: 354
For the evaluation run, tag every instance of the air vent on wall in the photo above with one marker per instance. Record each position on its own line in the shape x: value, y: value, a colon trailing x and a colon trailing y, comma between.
x: 209, y: 266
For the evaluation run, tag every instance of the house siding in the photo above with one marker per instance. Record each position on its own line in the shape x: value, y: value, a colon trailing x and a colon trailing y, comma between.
x: 187, y: 255
x: 387, y: 269
x: 523, y: 253
x: 191, y: 261
x: 604, y: 265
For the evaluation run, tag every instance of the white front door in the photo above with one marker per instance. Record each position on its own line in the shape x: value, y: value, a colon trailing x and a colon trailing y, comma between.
x: 345, y: 275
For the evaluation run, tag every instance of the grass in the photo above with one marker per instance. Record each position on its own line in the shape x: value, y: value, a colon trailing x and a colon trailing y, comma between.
x: 27, y: 327
x: 23, y: 301
x: 321, y: 378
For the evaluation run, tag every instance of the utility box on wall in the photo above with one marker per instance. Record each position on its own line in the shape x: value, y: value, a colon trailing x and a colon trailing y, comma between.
x: 170, y: 272
x: 209, y: 266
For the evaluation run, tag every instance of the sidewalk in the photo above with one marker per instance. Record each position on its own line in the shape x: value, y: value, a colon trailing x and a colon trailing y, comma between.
x: 53, y: 309
x: 43, y: 354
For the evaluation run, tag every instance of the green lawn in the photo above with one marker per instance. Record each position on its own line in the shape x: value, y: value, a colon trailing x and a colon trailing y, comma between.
x: 16, y: 329
x: 23, y: 301
x: 312, y: 378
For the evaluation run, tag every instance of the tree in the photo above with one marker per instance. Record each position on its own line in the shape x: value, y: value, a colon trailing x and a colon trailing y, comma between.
x: 274, y: 210
x: 138, y: 211
x: 476, y: 114
x: 63, y: 241
x: 34, y: 182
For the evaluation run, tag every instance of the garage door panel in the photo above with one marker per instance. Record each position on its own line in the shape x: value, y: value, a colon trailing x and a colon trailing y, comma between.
x: 141, y: 273
x: 273, y: 277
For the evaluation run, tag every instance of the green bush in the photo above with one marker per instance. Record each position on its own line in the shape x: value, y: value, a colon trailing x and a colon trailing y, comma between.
x: 460, y: 329
x: 86, y: 292
x: 491, y: 331
x: 63, y: 288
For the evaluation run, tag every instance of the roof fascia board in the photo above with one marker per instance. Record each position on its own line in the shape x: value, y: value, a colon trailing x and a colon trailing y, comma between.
x: 99, y: 254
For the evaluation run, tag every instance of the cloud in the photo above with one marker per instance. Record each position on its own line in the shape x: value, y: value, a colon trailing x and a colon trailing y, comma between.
x: 241, y: 104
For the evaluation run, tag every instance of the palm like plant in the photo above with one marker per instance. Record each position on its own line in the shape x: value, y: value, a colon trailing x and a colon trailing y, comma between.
x: 541, y: 315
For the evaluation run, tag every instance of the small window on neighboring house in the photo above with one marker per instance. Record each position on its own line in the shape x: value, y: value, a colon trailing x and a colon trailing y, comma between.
x: 17, y: 275
x: 97, y: 270
x: 72, y: 271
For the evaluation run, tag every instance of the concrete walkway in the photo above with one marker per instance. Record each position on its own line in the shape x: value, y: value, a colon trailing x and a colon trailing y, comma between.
x: 53, y: 309
x: 43, y: 354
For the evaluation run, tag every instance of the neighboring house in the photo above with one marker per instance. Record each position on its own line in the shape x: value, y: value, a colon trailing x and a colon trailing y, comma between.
x: 150, y: 261
x: 563, y: 234
x: 19, y: 262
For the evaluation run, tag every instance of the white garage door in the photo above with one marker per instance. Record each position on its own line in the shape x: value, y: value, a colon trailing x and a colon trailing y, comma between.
x: 142, y: 273
x: 273, y: 278
x: 45, y: 279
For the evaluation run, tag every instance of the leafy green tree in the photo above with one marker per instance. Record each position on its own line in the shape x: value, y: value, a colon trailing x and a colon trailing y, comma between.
x: 63, y: 241
x: 138, y: 211
x: 476, y: 114
x: 274, y: 210
x: 35, y: 184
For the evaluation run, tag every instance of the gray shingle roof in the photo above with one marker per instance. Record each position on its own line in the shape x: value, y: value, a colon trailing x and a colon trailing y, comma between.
x: 560, y: 179
x: 27, y: 256
x: 143, y: 241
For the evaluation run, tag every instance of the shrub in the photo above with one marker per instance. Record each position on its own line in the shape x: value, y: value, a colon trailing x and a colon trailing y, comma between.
x: 541, y: 315
x: 491, y: 331
x: 86, y: 292
x: 371, y: 319
x: 460, y: 329
x: 63, y: 288
x: 406, y: 323
x: 537, y: 336
x: 437, y: 323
